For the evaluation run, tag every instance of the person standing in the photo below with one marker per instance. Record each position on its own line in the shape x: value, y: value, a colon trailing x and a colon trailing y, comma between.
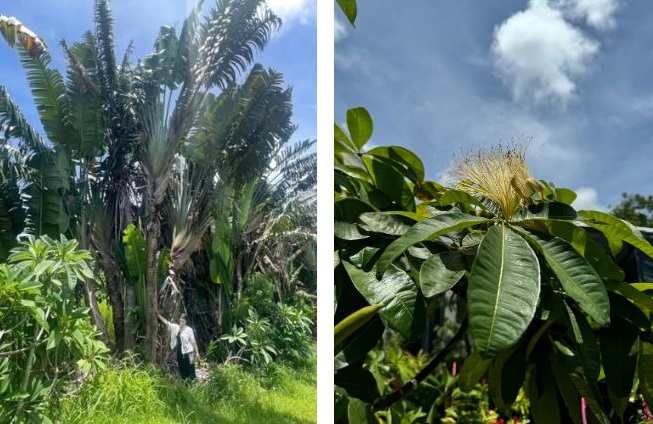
x: 182, y: 340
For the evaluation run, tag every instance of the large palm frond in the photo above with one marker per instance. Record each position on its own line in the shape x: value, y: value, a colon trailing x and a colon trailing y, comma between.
x: 14, y: 125
x: 13, y: 31
x: 229, y: 37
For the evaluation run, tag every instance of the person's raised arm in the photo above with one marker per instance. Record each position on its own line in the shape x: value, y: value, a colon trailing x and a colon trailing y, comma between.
x: 163, y: 320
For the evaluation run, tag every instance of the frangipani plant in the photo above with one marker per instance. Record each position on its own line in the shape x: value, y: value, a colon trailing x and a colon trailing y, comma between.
x: 545, y: 303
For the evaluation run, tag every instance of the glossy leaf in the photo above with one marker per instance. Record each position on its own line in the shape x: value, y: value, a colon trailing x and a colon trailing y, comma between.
x: 576, y: 276
x: 440, y: 272
x: 359, y: 124
x: 585, y: 343
x: 403, y: 310
x: 427, y: 229
x: 342, y: 142
x: 356, y: 346
x: 383, y: 222
x: 349, y: 209
x: 566, y: 388
x: 590, y: 394
x: 390, y: 182
x: 616, y: 231
x: 631, y: 292
x: 347, y: 231
x: 503, y: 290
x: 407, y: 162
x: 456, y: 196
x: 565, y: 195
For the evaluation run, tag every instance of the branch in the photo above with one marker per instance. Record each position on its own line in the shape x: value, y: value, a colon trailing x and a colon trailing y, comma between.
x: 395, y: 396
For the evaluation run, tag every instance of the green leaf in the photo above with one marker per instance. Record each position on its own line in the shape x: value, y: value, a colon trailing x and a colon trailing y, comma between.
x: 342, y: 143
x: 616, y: 231
x: 472, y: 370
x: 390, y: 182
x: 567, y: 389
x: 404, y: 309
x: 577, y: 277
x: 353, y: 322
x: 590, y: 249
x: 456, y: 196
x: 585, y: 343
x: 356, y: 346
x: 541, y: 391
x: 440, y: 272
x: 645, y: 371
x: 631, y: 292
x: 427, y: 229
x: 349, y: 8
x: 349, y: 209
x: 591, y: 397
x: 503, y: 290
x: 359, y: 124
x: 546, y: 211
x: 565, y: 195
x: 347, y: 231
x: 385, y: 223
x: 619, y: 344
x: 357, y: 382
x: 507, y: 377
x: 407, y: 162
x: 360, y: 413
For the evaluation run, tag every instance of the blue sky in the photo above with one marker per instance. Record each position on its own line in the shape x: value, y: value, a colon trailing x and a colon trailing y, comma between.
x: 444, y: 77
x: 291, y: 51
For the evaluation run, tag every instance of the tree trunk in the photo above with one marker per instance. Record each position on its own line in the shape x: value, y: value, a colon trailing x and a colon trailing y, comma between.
x: 96, y: 316
x: 112, y: 275
x: 130, y: 317
x: 152, y: 234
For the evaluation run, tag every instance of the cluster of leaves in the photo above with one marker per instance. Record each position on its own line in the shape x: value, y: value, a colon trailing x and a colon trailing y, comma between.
x: 286, y: 335
x: 45, y: 335
x: 545, y: 304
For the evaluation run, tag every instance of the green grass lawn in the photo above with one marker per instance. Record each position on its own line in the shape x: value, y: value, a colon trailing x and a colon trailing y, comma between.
x: 133, y: 395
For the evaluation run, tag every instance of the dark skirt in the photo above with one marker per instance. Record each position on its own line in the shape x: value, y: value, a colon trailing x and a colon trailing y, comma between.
x: 186, y: 364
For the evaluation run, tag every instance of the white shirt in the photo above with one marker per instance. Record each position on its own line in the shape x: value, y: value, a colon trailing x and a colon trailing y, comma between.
x: 187, y: 337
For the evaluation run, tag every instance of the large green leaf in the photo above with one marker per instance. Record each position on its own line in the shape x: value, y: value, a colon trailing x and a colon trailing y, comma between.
x: 566, y: 387
x: 385, y: 223
x: 456, y: 196
x: 440, y: 272
x: 507, y: 376
x: 402, y: 159
x: 632, y: 292
x: 577, y: 277
x: 356, y: 346
x: 619, y: 344
x: 342, y: 142
x: 360, y: 413
x: 616, y: 231
x: 360, y: 126
x: 427, y: 229
x: 546, y: 211
x: 404, y: 309
x: 353, y: 322
x: 585, y: 342
x: 135, y: 252
x: 592, y: 399
x: 590, y: 249
x: 542, y: 395
x: 503, y: 290
x: 390, y: 182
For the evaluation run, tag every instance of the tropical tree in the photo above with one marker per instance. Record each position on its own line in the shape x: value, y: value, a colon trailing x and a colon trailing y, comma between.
x: 544, y: 303
x: 132, y: 167
x: 635, y: 208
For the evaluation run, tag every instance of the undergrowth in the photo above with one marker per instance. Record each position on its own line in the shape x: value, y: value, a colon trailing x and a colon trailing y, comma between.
x: 135, y: 394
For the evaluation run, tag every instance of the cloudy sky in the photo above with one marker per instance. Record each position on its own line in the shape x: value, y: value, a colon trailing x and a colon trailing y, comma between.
x: 445, y: 77
x: 291, y: 51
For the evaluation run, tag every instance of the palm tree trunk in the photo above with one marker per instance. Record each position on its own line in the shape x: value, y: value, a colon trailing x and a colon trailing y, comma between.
x: 152, y: 234
x: 96, y: 316
x: 130, y: 319
x: 112, y: 275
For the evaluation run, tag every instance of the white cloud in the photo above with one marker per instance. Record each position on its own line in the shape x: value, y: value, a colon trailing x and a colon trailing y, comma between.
x: 588, y: 198
x: 339, y: 30
x: 540, y: 54
x: 293, y: 10
x: 596, y: 13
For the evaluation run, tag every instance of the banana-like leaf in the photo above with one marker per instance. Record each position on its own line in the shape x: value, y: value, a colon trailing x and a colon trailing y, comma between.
x: 440, y: 272
x: 404, y: 308
x: 616, y: 231
x: 503, y: 290
x: 427, y: 229
x: 576, y: 276
x: 135, y: 252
